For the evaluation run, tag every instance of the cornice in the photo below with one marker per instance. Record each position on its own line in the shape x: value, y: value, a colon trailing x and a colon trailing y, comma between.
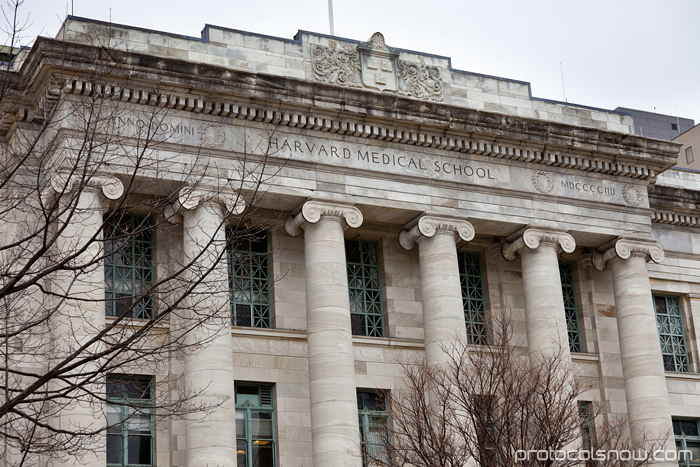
x: 399, y: 120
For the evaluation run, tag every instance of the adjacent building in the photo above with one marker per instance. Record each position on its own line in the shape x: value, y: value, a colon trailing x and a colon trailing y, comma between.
x: 397, y: 201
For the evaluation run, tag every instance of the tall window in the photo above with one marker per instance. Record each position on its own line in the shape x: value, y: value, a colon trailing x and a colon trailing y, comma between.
x: 255, y: 425
x: 587, y: 424
x: 374, y: 419
x: 687, y: 438
x: 669, y: 321
x: 249, y: 280
x: 566, y: 273
x: 129, y: 420
x: 128, y: 265
x: 485, y: 415
x: 365, y: 288
x: 473, y: 299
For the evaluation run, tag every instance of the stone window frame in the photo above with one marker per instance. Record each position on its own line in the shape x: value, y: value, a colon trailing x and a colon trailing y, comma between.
x: 587, y: 425
x: 682, y: 440
x: 572, y: 310
x: 686, y: 367
x: 244, y: 414
x: 128, y: 409
x: 470, y: 303
x: 366, y: 415
x: 357, y: 286
x: 138, y: 273
x: 689, y: 157
x: 252, y: 289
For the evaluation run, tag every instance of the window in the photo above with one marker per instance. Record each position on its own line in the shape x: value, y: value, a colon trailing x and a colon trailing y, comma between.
x: 484, y: 410
x: 587, y: 424
x: 689, y: 158
x: 365, y: 288
x: 129, y: 420
x: 687, y: 438
x: 128, y: 265
x: 566, y: 273
x: 249, y: 279
x: 473, y: 300
x: 670, y: 323
x: 674, y: 126
x: 255, y: 425
x: 374, y: 419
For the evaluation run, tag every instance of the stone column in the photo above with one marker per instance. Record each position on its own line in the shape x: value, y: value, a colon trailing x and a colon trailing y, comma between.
x: 334, y: 424
x: 211, y: 437
x: 648, y: 408
x: 82, y: 315
x: 443, y: 310
x: 544, y: 302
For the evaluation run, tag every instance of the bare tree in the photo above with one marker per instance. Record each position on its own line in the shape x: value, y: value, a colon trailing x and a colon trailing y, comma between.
x: 491, y: 406
x: 87, y: 180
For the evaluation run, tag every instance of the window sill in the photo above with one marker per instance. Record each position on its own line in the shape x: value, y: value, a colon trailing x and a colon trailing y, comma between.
x: 268, y: 333
x: 388, y: 342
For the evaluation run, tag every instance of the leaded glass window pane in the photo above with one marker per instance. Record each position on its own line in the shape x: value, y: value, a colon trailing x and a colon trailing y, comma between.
x: 568, y: 290
x: 473, y: 298
x: 255, y: 425
x: 129, y: 268
x: 130, y: 421
x: 374, y: 420
x: 687, y: 439
x: 669, y: 321
x: 249, y: 279
x: 364, y: 288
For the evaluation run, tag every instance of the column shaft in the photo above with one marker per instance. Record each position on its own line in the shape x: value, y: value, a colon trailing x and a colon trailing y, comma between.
x: 334, y: 423
x: 443, y: 310
x: 648, y: 408
x: 544, y: 303
x: 76, y: 321
x: 211, y: 439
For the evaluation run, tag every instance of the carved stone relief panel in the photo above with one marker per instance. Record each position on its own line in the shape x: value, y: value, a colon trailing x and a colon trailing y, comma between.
x: 374, y: 65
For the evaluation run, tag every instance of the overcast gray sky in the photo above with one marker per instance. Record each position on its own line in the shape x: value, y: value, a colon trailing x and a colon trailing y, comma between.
x: 631, y: 53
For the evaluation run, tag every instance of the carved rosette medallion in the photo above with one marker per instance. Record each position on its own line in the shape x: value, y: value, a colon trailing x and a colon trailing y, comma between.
x: 375, y: 65
x: 533, y: 237
x: 211, y: 135
x: 337, y: 66
x: 542, y: 181
x: 633, y: 194
x: 314, y: 210
x: 625, y: 248
x: 427, y: 226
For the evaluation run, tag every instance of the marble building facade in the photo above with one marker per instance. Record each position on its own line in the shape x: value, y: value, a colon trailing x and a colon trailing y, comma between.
x: 394, y: 162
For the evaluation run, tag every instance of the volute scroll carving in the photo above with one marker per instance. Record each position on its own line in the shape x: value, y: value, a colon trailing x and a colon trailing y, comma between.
x: 191, y: 197
x: 625, y: 248
x: 111, y: 187
x: 314, y: 210
x: 428, y: 225
x: 532, y: 238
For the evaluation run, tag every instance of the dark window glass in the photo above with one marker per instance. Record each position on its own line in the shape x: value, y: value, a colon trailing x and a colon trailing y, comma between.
x: 128, y: 265
x: 364, y: 288
x: 249, y: 279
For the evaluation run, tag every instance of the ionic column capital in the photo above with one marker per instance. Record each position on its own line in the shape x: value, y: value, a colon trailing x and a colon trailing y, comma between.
x: 191, y: 197
x: 110, y: 186
x: 315, y: 210
x: 625, y: 248
x: 427, y: 226
x: 532, y: 238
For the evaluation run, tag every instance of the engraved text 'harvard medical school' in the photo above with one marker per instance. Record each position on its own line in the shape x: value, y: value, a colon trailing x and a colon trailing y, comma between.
x: 375, y: 65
